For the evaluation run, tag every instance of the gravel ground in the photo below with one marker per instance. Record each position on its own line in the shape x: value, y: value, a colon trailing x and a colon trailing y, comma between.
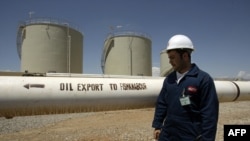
x: 18, y: 124
x: 122, y: 125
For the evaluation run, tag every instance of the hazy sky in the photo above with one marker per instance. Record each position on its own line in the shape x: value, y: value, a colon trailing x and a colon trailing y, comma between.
x: 219, y: 29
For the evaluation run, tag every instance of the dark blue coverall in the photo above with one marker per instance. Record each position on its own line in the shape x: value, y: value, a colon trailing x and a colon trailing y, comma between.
x: 196, y: 121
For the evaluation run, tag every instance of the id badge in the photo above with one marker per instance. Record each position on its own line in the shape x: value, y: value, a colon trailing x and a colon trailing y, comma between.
x: 185, y: 101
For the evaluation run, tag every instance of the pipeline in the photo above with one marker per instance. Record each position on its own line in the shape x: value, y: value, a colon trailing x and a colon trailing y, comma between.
x: 54, y: 94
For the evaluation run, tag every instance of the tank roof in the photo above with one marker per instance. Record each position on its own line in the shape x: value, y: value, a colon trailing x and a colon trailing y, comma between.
x: 48, y: 21
x: 128, y: 33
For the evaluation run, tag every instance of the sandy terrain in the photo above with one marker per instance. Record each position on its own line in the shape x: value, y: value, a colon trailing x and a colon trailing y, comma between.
x: 123, y: 125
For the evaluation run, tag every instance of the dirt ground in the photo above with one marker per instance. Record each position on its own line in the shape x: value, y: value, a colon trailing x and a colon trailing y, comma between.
x: 123, y: 125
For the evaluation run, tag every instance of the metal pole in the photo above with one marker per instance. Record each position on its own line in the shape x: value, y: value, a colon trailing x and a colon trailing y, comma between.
x: 69, y: 49
x: 69, y: 46
x: 131, y: 57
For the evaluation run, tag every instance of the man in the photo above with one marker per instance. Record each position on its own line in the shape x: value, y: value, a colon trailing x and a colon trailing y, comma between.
x: 187, y: 106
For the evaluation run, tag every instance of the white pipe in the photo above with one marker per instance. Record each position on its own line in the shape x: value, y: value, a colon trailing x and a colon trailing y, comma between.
x: 244, y: 90
x: 45, y: 95
x: 232, y: 90
x: 226, y: 90
x: 49, y: 95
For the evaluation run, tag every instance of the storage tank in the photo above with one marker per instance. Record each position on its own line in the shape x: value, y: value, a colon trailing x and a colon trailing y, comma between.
x: 165, y: 66
x: 127, y: 53
x: 46, y: 45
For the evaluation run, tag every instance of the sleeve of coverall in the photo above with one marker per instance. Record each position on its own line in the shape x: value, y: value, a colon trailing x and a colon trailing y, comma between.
x: 209, y: 109
x: 160, y: 108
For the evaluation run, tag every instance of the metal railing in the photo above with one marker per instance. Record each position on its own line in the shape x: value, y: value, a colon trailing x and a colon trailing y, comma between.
x: 128, y: 33
x: 50, y: 21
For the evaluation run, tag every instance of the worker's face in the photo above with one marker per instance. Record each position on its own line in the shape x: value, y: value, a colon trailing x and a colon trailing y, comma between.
x: 176, y: 60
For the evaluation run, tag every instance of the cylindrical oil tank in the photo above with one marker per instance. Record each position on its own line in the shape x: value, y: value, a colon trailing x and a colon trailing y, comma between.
x: 127, y: 53
x: 165, y: 66
x: 46, y: 45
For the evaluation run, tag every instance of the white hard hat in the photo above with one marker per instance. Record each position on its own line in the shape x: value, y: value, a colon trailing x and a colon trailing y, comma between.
x: 179, y: 42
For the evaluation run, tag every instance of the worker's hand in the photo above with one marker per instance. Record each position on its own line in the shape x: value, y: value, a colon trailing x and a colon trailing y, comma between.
x: 157, y: 133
